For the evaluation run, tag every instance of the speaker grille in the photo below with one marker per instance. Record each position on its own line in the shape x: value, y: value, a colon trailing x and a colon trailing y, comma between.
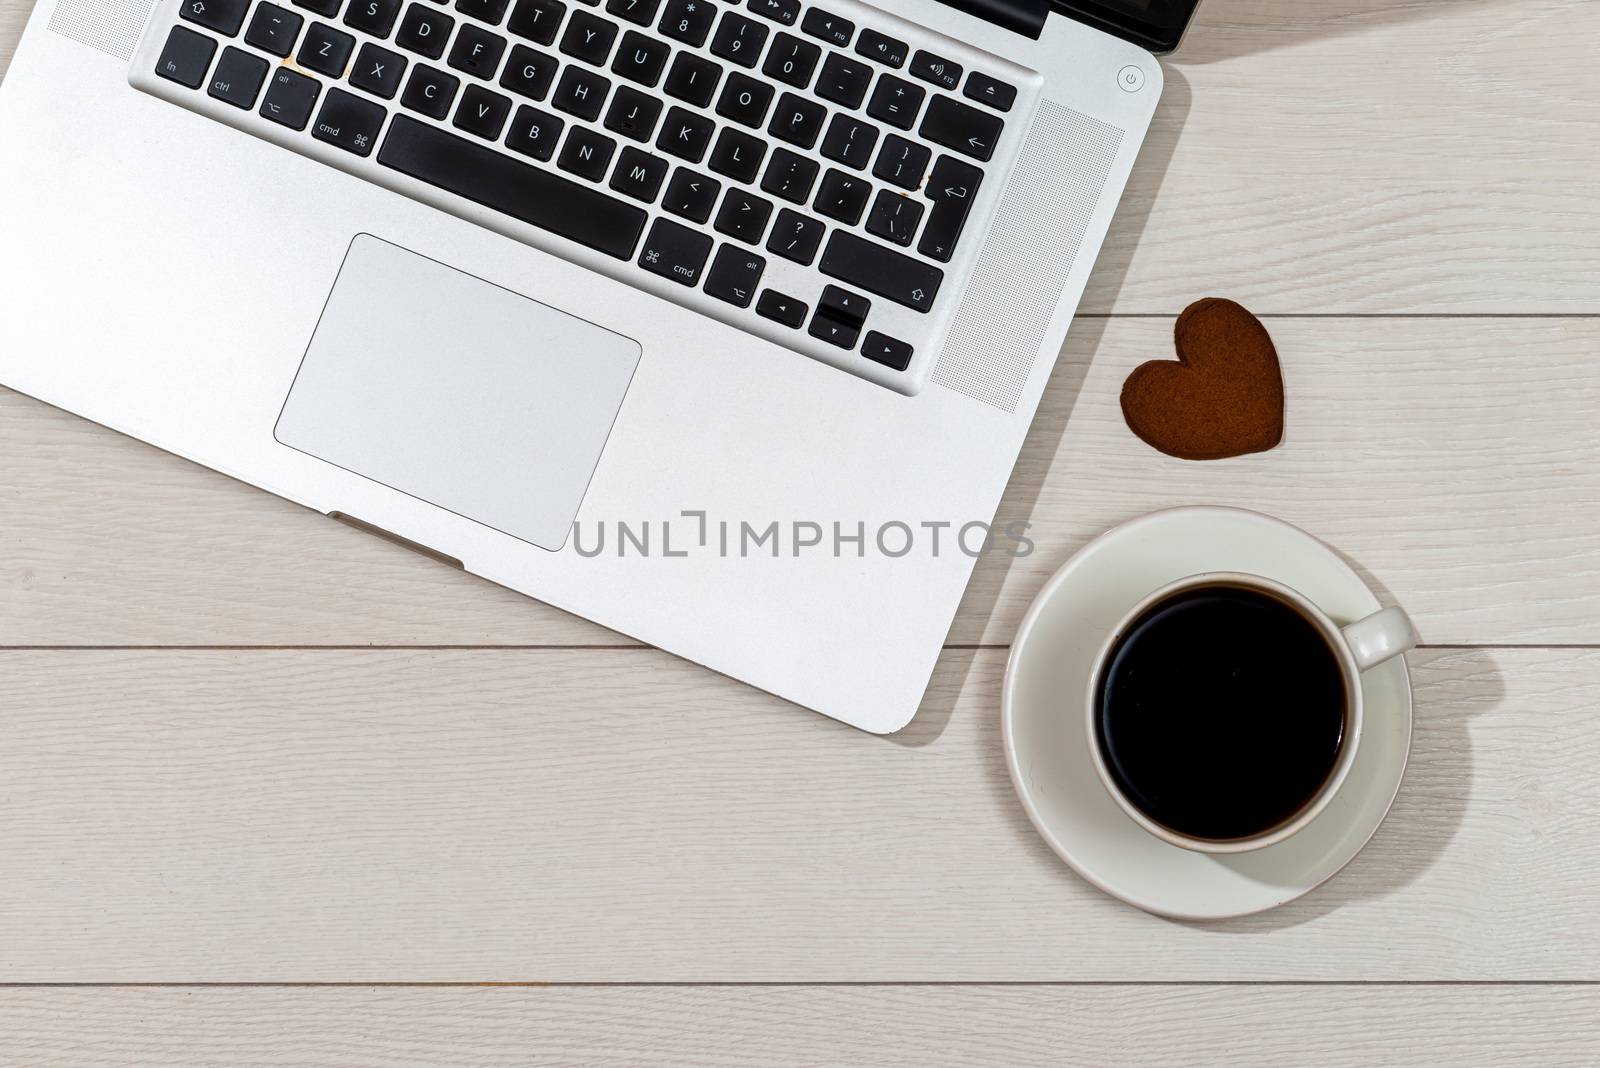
x: 1030, y: 250
x: 112, y: 26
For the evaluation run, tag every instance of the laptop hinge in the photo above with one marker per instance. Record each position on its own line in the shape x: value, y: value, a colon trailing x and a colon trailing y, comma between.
x: 1020, y: 16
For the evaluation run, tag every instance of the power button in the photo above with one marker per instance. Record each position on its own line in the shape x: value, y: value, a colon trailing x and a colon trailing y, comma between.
x: 1131, y: 79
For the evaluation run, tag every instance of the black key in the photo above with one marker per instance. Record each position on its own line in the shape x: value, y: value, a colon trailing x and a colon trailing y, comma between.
x: 902, y: 162
x: 688, y: 21
x: 843, y: 80
x: 734, y: 275
x: 881, y: 47
x: 641, y: 59
x: 789, y: 176
x: 490, y: 11
x: 638, y: 12
x: 430, y: 91
x: 586, y: 153
x: 223, y: 16
x: 877, y: 269
x: 827, y: 26
x: 843, y: 305
x: 784, y: 11
x: 850, y: 141
x: 486, y: 176
x: 797, y: 121
x: 477, y: 51
x: 843, y: 196
x: 997, y: 94
x: 274, y: 29
x: 891, y: 352
x: 744, y: 100
x: 186, y: 57
x: 529, y: 72
x: 826, y: 328
x: 791, y: 60
x: 633, y: 114
x: 639, y: 174
x: 588, y: 37
x: 349, y: 122
x: 693, y: 78
x: 744, y: 215
x: 952, y: 187
x: 739, y: 39
x: 238, y: 77
x: 482, y: 112
x: 966, y: 129
x: 534, y: 133
x: 738, y: 155
x: 376, y: 17
x: 378, y: 71
x: 781, y: 308
x: 290, y: 99
x: 581, y: 92
x: 537, y: 20
x: 691, y: 195
x: 795, y: 237
x: 935, y: 69
x: 685, y: 135
x: 327, y: 8
x: 674, y: 251
x: 894, y: 217
x: 326, y: 50
x: 425, y: 31
x: 896, y: 102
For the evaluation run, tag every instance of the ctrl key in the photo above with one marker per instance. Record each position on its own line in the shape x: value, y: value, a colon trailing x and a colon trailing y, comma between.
x: 186, y: 58
x: 349, y: 122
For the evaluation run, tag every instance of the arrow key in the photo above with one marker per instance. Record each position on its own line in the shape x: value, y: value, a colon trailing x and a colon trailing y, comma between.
x: 966, y: 129
x: 782, y: 308
x: 951, y: 187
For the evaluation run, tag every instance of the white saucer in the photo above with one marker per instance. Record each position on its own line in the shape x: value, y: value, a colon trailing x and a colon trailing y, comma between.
x: 1047, y: 748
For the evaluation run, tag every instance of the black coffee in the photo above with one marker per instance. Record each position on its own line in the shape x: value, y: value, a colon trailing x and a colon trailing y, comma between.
x: 1221, y: 712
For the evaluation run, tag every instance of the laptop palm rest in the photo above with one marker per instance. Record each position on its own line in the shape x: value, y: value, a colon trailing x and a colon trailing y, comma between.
x: 458, y: 392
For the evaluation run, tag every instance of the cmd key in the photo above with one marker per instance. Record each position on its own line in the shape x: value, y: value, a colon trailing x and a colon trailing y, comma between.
x: 674, y: 251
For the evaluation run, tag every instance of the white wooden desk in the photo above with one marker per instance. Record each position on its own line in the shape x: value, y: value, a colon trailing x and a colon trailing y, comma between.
x: 246, y: 747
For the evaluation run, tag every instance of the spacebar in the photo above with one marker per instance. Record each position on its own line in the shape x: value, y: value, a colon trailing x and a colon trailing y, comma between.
x: 545, y: 200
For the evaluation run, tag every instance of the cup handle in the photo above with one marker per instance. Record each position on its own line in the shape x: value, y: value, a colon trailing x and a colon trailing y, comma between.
x: 1381, y: 636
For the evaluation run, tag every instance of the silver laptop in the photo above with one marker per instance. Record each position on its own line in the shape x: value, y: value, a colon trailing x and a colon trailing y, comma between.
x: 718, y: 323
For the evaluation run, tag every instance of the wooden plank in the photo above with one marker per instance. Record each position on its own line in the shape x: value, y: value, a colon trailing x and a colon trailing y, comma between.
x: 13, y: 17
x: 885, y: 1026
x: 1352, y: 156
x: 1454, y: 461
x: 617, y: 815
x: 1341, y: 155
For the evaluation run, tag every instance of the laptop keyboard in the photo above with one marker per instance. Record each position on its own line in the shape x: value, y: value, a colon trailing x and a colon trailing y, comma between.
x: 775, y: 165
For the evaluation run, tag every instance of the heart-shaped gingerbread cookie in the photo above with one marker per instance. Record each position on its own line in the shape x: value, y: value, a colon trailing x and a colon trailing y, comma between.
x: 1223, y: 396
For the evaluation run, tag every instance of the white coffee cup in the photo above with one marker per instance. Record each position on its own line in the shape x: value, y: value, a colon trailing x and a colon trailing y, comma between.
x: 1357, y: 647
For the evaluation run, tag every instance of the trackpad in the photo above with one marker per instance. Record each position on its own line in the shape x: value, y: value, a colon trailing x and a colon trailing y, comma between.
x: 458, y: 392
